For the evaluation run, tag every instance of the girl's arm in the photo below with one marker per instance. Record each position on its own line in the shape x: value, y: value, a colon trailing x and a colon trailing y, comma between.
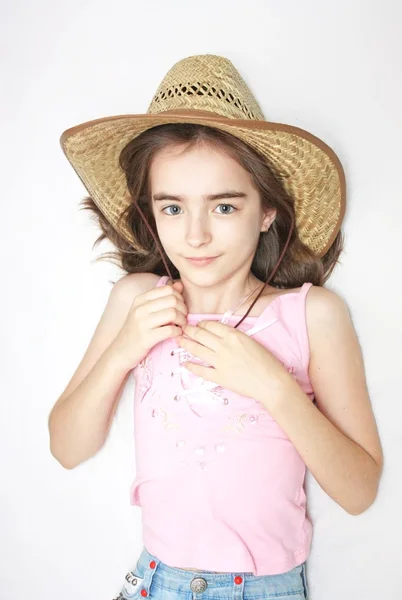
x: 80, y: 420
x: 338, y: 441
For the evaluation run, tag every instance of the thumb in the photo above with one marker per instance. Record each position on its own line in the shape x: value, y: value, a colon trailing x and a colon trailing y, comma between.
x: 178, y: 285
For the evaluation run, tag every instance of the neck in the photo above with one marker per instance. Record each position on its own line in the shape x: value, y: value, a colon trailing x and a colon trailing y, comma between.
x: 219, y: 297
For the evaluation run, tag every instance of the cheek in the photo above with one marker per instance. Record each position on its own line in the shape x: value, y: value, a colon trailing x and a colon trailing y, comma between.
x: 242, y: 235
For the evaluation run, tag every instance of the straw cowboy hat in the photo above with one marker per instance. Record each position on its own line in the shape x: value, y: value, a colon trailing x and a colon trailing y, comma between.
x: 208, y: 90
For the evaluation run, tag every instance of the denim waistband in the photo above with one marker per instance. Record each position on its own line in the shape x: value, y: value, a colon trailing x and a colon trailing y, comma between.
x: 152, y: 572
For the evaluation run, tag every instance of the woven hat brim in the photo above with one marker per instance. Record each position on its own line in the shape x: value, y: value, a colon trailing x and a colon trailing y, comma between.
x: 309, y: 169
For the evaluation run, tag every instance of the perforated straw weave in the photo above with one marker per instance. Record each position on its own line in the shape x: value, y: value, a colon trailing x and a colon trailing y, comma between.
x: 208, y: 90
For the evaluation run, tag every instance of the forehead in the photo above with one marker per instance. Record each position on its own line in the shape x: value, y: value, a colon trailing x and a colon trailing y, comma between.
x: 199, y: 165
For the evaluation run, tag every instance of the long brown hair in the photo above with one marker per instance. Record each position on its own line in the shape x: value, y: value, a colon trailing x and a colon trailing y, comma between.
x: 299, y: 263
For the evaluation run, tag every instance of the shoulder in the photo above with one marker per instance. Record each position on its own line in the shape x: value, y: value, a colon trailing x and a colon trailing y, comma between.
x: 328, y: 321
x: 123, y: 293
x: 324, y: 305
x: 125, y: 290
x: 132, y: 284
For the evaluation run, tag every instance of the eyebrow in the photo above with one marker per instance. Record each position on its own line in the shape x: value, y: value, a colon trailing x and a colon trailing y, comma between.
x: 211, y: 197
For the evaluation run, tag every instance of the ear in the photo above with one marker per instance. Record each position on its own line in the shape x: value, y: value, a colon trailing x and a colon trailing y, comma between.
x: 269, y: 218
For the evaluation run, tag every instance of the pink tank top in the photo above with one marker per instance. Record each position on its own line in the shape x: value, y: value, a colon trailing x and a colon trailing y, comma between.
x: 219, y: 483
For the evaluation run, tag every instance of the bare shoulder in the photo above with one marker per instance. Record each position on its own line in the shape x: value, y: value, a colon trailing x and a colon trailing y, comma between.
x: 133, y: 284
x: 323, y: 297
x: 327, y: 317
x: 325, y: 306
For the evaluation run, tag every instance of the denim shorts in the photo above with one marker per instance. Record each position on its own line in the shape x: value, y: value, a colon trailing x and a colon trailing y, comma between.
x: 153, y: 579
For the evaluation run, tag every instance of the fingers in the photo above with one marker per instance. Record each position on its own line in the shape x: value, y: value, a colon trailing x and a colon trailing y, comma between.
x: 202, y: 336
x: 198, y: 350
x: 155, y: 293
x: 166, y: 316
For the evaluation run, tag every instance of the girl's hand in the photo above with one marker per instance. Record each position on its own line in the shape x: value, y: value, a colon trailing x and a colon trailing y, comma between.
x: 155, y: 315
x: 238, y: 362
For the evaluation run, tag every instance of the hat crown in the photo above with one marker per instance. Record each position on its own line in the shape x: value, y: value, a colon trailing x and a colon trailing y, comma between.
x: 209, y: 83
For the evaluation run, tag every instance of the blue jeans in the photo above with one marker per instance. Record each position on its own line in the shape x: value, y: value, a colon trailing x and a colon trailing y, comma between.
x: 153, y: 579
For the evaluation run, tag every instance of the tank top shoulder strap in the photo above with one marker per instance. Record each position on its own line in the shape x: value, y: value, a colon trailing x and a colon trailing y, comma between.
x: 304, y: 289
x: 162, y: 281
x: 298, y: 322
x: 296, y: 297
x: 276, y: 309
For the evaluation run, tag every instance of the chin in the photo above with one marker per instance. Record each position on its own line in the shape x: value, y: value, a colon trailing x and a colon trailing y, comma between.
x: 200, y: 276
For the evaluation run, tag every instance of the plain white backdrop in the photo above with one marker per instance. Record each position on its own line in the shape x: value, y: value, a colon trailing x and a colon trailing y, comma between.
x: 333, y: 68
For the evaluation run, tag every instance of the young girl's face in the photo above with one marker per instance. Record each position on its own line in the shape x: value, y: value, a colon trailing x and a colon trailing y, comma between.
x: 191, y: 223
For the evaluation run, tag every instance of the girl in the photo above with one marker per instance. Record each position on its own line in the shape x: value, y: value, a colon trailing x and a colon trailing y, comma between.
x: 240, y: 385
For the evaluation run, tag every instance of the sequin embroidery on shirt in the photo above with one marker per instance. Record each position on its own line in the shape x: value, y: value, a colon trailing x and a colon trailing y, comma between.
x: 199, y: 455
x: 201, y: 397
x: 160, y: 415
x: 165, y: 420
x: 242, y: 421
x: 290, y: 369
x: 145, y: 371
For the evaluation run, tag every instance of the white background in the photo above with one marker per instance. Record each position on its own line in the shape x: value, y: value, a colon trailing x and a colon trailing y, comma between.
x: 333, y: 68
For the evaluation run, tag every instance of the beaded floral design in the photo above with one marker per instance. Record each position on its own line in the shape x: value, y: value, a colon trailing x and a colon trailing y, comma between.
x: 240, y: 422
x: 290, y: 369
x: 145, y: 371
x: 201, y: 456
x: 160, y: 414
x: 193, y: 386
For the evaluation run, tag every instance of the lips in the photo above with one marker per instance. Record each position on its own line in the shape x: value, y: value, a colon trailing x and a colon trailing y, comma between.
x: 200, y: 257
x: 202, y: 261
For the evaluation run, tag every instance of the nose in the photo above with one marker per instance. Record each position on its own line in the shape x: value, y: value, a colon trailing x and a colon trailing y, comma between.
x: 198, y: 232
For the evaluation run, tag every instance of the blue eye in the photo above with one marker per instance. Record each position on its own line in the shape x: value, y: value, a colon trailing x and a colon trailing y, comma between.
x: 230, y: 206
x: 171, y: 206
x: 176, y: 206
